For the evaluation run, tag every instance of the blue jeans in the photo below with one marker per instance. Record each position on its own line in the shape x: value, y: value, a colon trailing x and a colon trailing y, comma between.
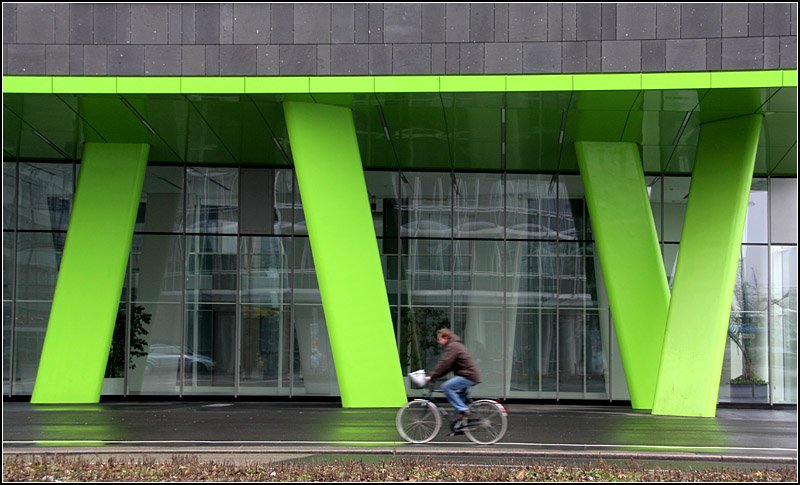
x: 456, y: 390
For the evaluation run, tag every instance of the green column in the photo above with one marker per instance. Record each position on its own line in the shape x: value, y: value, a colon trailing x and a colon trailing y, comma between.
x: 633, y: 269
x: 702, y: 291
x: 345, y: 252
x: 91, y: 275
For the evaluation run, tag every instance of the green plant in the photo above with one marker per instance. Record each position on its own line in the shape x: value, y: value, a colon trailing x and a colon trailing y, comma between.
x: 116, y: 357
x: 742, y: 379
x: 419, y: 335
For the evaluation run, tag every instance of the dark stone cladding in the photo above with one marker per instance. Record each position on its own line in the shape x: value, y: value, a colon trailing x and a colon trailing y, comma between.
x: 395, y: 38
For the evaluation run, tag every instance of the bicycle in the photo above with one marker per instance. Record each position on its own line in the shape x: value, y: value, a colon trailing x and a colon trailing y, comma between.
x: 420, y: 420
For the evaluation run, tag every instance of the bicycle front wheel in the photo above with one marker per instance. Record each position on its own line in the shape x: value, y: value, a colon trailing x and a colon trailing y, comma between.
x: 487, y: 422
x: 418, y: 421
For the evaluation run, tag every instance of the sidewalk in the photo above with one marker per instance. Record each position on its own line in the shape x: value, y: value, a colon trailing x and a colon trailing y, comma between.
x: 277, y: 431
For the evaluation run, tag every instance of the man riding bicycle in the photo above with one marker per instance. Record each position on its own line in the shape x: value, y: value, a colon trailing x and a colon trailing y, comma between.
x: 457, y: 359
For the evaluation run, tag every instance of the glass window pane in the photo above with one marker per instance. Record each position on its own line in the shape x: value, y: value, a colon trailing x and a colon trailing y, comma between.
x: 29, y: 331
x: 755, y: 226
x: 161, y: 205
x: 9, y: 195
x: 654, y: 192
x: 531, y: 207
x: 156, y: 341
x: 263, y: 201
x: 212, y: 200
x: 8, y: 264
x: 783, y: 210
x: 783, y: 334
x: 384, y: 201
x: 264, y: 354
x: 426, y: 278
x: 676, y: 194
x: 157, y: 264
x: 573, y: 215
x: 427, y: 204
x: 208, y: 358
x: 38, y: 259
x: 478, y: 206
x: 45, y: 195
x: 211, y: 269
x: 7, y: 334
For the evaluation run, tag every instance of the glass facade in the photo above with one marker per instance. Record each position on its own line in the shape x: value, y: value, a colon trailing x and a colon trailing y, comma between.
x: 221, y: 296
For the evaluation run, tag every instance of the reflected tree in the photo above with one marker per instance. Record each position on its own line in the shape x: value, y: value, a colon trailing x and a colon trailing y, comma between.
x: 138, y: 344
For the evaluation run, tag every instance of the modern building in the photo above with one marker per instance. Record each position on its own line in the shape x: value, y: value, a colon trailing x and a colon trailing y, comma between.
x: 288, y: 200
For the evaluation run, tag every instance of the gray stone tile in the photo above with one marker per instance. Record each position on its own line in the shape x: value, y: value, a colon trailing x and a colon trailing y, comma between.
x: 162, y: 60
x: 5, y: 59
x: 95, y: 60
x: 755, y: 23
x: 541, y: 57
x: 481, y: 22
x: 594, y: 56
x: 149, y: 23
x: 57, y: 60
x: 734, y: 20
x: 438, y: 59
x: 105, y: 25
x: 527, y: 22
x: 573, y: 57
x: 793, y: 19
x: 452, y: 61
x: 375, y: 23
x: 777, y: 19
x: 471, y: 58
x: 193, y: 60
x: 654, y: 55
x: 772, y: 53
x: 350, y: 59
x: 433, y: 22
x: 298, y: 60
x: 268, y: 61
x: 788, y: 52
x: 380, y: 59
x: 587, y: 21
x: 361, y: 21
x: 237, y: 60
x: 501, y: 22
x: 81, y: 19
x: 212, y: 60
x: 402, y: 23
x: 251, y: 23
x: 62, y: 23
x: 188, y: 24
x: 622, y: 55
x: 206, y: 24
x: 312, y: 23
x: 608, y: 22
x: 713, y: 54
x: 503, y: 58
x: 76, y: 60
x: 743, y: 53
x: 323, y: 59
x: 174, y: 23
x: 569, y: 19
x: 35, y: 23
x: 457, y: 22
x: 668, y: 21
x: 701, y: 20
x: 125, y: 60
x: 26, y: 59
x: 636, y: 21
x: 411, y: 59
x: 226, y: 23
x: 555, y: 22
x: 685, y: 55
x: 342, y: 24
x: 10, y: 23
x: 123, y: 24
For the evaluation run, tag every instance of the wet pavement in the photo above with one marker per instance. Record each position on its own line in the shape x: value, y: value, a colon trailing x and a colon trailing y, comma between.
x: 299, y: 430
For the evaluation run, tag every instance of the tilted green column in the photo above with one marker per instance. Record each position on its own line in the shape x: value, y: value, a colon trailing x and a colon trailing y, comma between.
x: 633, y: 269
x: 702, y: 291
x: 90, y: 279
x: 346, y: 257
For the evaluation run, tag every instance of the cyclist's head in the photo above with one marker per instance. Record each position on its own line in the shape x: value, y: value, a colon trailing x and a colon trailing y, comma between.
x: 444, y: 333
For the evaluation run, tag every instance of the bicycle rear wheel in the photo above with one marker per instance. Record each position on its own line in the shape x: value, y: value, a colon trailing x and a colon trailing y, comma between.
x: 487, y: 422
x: 418, y: 421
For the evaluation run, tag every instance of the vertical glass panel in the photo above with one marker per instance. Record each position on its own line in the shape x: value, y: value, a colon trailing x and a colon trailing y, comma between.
x: 265, y: 315
x: 263, y: 201
x: 314, y: 371
x: 676, y: 194
x: 783, y: 210
x: 115, y: 367
x: 298, y: 215
x: 654, y: 191
x: 208, y: 358
x: 212, y: 200
x: 670, y: 261
x: 384, y: 202
x: 157, y: 265
x: 8, y: 264
x: 211, y: 269
x: 571, y: 352
x: 478, y: 206
x: 29, y: 330
x: 744, y: 370
x: 418, y: 346
x: 427, y: 205
x: 531, y: 211
x: 783, y: 334
x: 38, y: 259
x: 45, y: 196
x: 9, y: 195
x: 573, y: 215
x: 755, y: 226
x: 161, y: 206
x: 8, y: 324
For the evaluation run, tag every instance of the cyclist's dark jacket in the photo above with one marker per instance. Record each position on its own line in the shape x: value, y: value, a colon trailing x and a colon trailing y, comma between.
x: 456, y: 359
